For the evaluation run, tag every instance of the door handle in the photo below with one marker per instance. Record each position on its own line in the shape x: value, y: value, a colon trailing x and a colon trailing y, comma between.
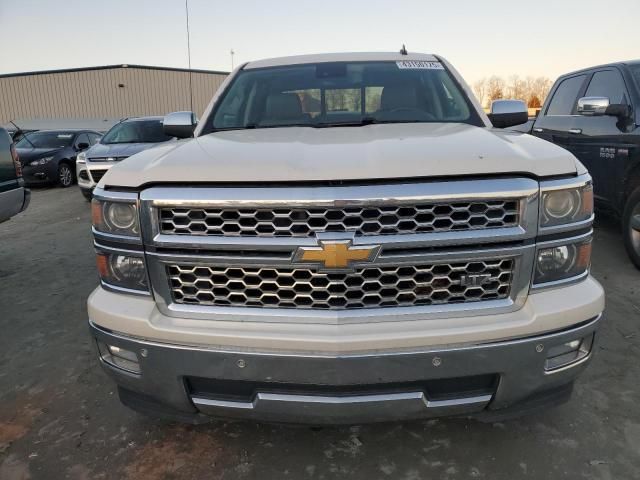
x: 538, y: 130
x: 575, y: 131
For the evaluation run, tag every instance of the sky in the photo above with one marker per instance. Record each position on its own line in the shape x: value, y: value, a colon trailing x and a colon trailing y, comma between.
x: 480, y: 37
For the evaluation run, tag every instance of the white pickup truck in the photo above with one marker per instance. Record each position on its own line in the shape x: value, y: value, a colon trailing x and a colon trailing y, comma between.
x: 346, y: 238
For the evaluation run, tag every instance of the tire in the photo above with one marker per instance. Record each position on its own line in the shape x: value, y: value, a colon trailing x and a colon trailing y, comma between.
x: 87, y: 194
x: 65, y: 175
x: 631, y: 227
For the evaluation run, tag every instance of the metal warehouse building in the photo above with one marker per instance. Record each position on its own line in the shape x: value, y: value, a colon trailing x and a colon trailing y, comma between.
x: 100, y: 93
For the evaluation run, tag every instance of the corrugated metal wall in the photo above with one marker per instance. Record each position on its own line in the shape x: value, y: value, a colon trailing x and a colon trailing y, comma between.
x: 97, y: 94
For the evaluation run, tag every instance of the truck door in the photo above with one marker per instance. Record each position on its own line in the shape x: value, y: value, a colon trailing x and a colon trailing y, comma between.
x: 600, y: 142
x: 555, y: 121
x: 8, y: 179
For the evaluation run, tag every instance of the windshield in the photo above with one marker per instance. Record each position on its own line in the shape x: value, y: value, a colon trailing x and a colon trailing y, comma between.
x: 45, y: 140
x: 137, y: 131
x: 330, y: 94
x: 636, y: 73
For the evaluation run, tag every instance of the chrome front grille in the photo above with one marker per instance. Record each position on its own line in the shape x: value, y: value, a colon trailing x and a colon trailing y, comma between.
x: 369, y: 287
x: 361, y: 220
x: 443, y: 249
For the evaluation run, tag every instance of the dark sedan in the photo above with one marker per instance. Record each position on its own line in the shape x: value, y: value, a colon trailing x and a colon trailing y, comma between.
x: 49, y: 156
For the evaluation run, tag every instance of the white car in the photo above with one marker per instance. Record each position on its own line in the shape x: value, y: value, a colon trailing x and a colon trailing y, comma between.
x: 347, y: 238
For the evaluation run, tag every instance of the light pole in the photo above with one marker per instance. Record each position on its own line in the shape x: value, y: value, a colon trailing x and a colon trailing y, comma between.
x: 232, y: 54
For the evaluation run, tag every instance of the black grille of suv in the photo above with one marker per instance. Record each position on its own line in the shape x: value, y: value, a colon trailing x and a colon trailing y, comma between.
x: 97, y: 174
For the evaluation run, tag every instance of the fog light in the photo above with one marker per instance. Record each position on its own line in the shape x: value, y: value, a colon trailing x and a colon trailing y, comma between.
x: 568, y: 353
x: 119, y: 357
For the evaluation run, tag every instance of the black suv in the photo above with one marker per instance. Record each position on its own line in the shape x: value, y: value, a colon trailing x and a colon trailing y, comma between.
x: 595, y: 114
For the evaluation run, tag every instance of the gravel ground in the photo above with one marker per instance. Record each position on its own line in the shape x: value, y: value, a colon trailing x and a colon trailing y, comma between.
x: 60, y: 416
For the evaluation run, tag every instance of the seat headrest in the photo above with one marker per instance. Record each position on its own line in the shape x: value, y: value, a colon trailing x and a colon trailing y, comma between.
x: 398, y: 96
x: 283, y: 106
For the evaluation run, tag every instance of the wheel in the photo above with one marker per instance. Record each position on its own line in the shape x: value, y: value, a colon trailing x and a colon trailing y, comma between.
x: 87, y: 194
x: 631, y: 227
x: 65, y: 175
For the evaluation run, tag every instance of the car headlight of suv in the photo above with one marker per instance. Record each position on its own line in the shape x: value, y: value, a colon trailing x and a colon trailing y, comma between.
x: 40, y: 161
x: 81, y: 158
x: 563, y: 206
x: 115, y: 217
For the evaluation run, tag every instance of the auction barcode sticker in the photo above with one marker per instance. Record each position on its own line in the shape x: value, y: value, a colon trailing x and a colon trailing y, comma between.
x: 419, y: 64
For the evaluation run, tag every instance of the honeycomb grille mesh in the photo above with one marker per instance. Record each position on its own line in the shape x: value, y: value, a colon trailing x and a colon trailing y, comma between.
x: 370, y: 287
x: 369, y: 220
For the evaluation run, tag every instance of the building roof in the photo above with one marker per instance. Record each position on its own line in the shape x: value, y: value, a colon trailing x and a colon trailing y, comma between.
x: 110, y: 67
x: 96, y: 124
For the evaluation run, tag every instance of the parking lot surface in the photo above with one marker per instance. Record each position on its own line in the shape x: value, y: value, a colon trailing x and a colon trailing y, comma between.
x: 60, y: 416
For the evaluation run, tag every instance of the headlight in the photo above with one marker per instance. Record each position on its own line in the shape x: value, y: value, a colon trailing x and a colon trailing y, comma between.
x: 566, y: 206
x: 81, y: 158
x: 119, y: 218
x: 562, y: 262
x: 123, y: 271
x: 40, y: 161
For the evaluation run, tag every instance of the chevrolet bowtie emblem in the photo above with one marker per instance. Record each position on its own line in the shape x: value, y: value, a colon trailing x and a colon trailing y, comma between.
x: 336, y: 254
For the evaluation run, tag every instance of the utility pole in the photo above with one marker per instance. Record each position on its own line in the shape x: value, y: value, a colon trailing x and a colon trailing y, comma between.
x: 186, y: 8
x: 232, y: 54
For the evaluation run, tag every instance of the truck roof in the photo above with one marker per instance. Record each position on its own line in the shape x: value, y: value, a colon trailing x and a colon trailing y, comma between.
x: 340, y: 57
x: 612, y: 64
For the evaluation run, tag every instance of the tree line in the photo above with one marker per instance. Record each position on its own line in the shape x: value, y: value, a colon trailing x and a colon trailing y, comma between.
x: 533, y: 90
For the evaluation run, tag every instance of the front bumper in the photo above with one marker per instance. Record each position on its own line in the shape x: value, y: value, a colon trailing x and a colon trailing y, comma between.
x: 487, y: 379
x: 84, y: 179
x: 40, y: 174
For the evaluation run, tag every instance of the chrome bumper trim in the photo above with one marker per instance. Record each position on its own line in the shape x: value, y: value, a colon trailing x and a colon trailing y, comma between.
x: 356, y: 408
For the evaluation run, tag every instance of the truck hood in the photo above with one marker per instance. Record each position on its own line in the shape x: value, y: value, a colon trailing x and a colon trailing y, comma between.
x: 117, y: 150
x: 305, y: 154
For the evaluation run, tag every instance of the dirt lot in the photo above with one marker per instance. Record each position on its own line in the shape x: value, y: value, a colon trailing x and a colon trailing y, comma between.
x: 60, y: 416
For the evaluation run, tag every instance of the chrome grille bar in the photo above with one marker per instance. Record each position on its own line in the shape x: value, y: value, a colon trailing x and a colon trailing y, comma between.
x: 371, y: 287
x: 370, y: 220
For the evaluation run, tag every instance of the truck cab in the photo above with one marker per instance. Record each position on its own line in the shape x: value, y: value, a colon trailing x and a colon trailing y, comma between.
x: 14, y: 198
x: 595, y: 114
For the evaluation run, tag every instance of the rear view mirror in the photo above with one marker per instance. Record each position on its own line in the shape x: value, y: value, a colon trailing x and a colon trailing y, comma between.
x: 508, y: 113
x: 179, y: 124
x: 599, y: 106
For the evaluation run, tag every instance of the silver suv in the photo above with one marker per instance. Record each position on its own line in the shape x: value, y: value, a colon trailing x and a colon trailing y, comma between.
x: 124, y: 139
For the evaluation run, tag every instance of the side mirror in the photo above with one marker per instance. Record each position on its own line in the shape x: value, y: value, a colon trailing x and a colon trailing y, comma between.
x: 593, y: 106
x: 82, y: 146
x: 508, y: 113
x: 599, y: 106
x: 179, y: 124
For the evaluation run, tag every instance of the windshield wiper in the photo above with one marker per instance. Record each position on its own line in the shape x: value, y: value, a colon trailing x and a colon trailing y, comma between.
x: 363, y: 122
x: 254, y: 126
